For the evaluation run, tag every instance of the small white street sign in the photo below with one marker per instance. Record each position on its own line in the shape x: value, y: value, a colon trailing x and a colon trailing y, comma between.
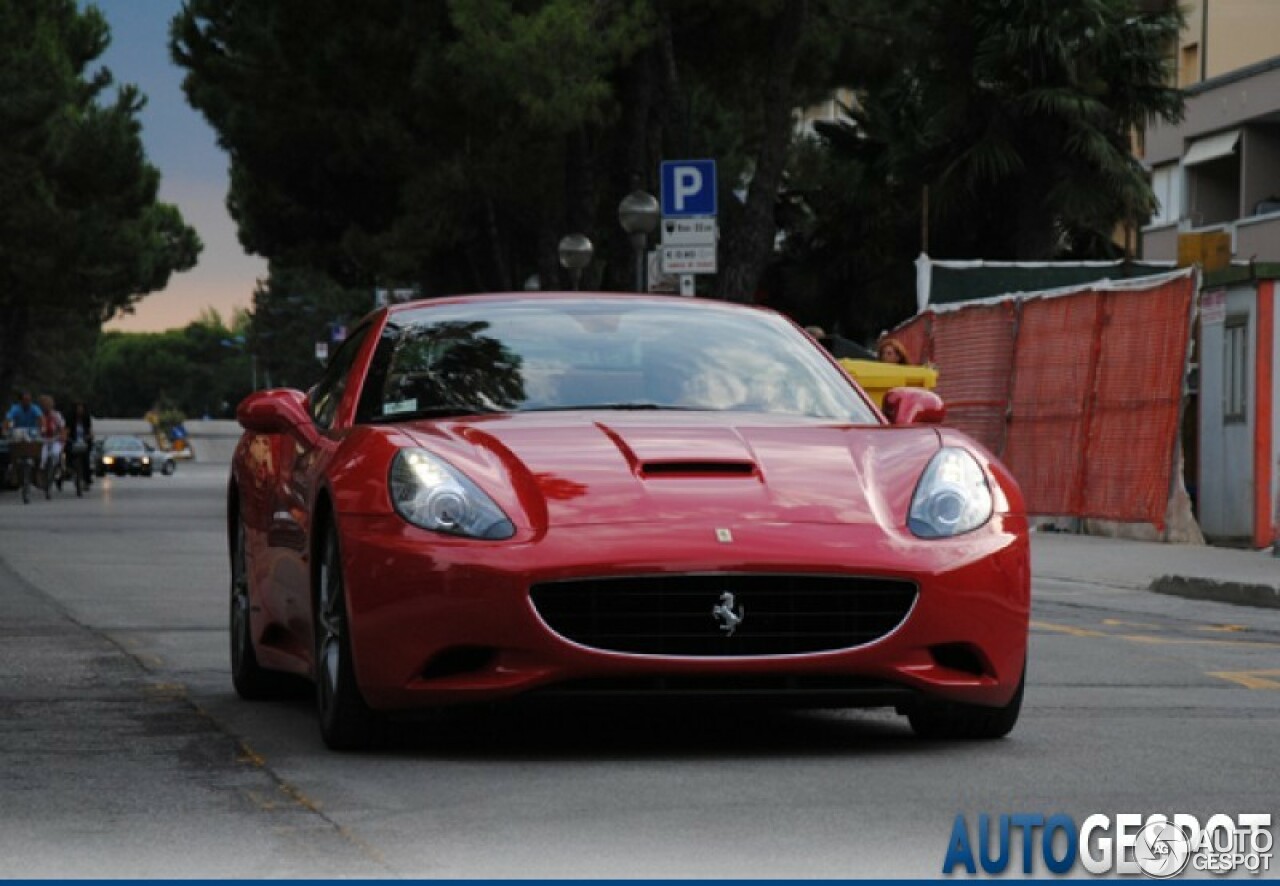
x: 1213, y: 307
x: 688, y: 259
x: 659, y: 282
x: 688, y: 231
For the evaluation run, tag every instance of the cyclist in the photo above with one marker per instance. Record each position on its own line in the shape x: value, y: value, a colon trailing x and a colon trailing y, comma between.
x: 23, y: 415
x: 53, y: 431
x: 22, y: 425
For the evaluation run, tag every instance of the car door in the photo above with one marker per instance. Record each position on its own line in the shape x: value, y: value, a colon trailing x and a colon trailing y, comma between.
x: 301, y: 470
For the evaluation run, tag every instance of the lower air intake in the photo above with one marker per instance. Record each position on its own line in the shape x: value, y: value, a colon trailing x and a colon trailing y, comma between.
x: 691, y: 615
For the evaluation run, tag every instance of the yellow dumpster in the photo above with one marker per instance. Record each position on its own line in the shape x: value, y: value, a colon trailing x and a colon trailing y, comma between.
x: 877, y: 378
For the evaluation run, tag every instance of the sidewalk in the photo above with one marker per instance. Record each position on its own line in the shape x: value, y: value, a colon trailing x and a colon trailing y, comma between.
x: 1250, y: 578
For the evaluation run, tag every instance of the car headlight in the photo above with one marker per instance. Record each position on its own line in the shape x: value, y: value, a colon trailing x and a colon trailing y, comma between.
x: 108, y: 460
x: 429, y: 492
x: 145, y: 460
x: 953, y: 496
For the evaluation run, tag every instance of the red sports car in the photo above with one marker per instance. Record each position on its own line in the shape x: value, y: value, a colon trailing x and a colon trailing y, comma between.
x: 560, y: 493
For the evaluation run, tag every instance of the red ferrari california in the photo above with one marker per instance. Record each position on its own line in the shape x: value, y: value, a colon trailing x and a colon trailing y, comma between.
x: 492, y: 496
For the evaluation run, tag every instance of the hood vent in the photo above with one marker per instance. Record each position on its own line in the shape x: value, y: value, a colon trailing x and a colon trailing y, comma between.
x: 697, y: 469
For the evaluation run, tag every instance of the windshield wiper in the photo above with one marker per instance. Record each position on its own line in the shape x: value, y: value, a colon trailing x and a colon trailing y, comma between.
x: 442, y: 411
x: 625, y: 406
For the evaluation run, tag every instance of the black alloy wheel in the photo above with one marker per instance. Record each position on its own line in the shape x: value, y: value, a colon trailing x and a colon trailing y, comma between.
x: 346, y: 722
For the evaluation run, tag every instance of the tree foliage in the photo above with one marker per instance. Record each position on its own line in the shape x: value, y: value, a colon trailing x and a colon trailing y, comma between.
x: 450, y: 145
x: 201, y: 369
x: 1010, y: 121
x: 81, y: 233
x: 293, y: 309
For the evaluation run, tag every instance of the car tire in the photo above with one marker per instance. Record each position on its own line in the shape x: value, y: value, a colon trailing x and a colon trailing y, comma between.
x: 346, y: 722
x: 935, y: 719
x: 169, y: 467
x: 252, y: 681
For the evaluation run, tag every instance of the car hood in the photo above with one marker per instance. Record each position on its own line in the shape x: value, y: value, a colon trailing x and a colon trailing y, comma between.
x: 565, y: 469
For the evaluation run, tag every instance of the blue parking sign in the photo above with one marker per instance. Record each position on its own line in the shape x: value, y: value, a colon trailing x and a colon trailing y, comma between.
x: 688, y: 188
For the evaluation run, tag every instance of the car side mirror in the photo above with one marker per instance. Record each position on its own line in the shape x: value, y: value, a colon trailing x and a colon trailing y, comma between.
x: 280, y: 411
x: 914, y: 406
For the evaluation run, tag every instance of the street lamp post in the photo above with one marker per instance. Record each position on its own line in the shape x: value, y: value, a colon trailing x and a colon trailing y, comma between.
x: 639, y: 214
x: 575, y: 254
x: 238, y: 343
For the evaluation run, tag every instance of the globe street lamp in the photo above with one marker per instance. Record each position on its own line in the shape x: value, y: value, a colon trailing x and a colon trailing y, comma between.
x: 639, y: 214
x: 575, y: 254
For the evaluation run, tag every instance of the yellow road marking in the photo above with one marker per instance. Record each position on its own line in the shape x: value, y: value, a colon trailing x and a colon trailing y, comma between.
x: 1068, y: 629
x: 1115, y: 622
x: 250, y: 756
x: 1225, y: 629
x: 1250, y: 679
x: 1151, y: 640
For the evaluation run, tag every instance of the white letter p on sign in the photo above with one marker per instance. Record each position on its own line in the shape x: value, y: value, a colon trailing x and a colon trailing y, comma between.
x: 688, y: 182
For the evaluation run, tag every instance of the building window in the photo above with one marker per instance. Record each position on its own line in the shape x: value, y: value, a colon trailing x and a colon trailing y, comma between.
x: 1166, y: 184
x: 1235, y: 369
x: 1189, y: 65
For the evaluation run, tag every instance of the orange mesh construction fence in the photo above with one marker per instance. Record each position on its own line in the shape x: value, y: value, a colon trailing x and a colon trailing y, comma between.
x: 1079, y: 394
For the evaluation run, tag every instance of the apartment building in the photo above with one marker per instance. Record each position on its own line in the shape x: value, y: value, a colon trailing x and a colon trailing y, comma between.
x: 1219, y: 169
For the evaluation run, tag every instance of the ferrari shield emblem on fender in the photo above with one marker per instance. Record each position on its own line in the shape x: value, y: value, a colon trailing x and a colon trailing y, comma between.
x: 723, y: 611
x: 724, y: 536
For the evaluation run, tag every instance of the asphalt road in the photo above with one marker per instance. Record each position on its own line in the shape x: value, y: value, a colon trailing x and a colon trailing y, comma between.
x: 124, y: 751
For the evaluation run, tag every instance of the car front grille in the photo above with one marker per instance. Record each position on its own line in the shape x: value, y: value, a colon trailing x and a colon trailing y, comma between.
x: 675, y: 615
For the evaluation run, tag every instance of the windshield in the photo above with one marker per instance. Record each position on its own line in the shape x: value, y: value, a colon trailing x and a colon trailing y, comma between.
x: 124, y: 444
x: 617, y: 353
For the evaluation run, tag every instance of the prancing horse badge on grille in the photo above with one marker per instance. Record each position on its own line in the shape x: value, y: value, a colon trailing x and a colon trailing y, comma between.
x: 723, y: 611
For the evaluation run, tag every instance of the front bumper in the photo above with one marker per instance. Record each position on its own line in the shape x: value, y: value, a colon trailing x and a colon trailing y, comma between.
x: 122, y: 467
x: 437, y: 620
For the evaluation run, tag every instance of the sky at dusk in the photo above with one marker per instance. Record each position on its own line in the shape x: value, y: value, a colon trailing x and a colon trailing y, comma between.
x: 193, y: 170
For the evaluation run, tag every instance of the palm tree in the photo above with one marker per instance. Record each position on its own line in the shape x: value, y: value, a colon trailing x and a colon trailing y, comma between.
x: 1030, y: 106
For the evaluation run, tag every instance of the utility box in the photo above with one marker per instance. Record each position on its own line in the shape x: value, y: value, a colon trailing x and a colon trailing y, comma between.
x: 877, y: 378
x: 1211, y: 250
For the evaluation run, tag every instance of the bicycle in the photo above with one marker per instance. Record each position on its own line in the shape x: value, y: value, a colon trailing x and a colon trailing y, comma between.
x: 77, y: 454
x: 25, y: 453
x: 50, y: 473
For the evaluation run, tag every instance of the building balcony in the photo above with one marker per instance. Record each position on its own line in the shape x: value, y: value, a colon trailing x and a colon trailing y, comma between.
x: 1256, y: 238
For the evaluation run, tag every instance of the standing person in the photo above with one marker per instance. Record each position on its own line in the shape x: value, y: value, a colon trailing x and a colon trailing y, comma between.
x: 80, y: 441
x: 53, y: 431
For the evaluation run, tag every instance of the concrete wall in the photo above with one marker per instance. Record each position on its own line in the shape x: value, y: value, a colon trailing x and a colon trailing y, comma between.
x: 1160, y: 244
x: 1215, y: 107
x: 1258, y: 240
x: 1240, y: 32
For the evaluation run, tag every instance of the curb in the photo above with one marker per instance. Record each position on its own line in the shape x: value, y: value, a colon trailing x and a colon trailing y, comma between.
x: 1235, y: 593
